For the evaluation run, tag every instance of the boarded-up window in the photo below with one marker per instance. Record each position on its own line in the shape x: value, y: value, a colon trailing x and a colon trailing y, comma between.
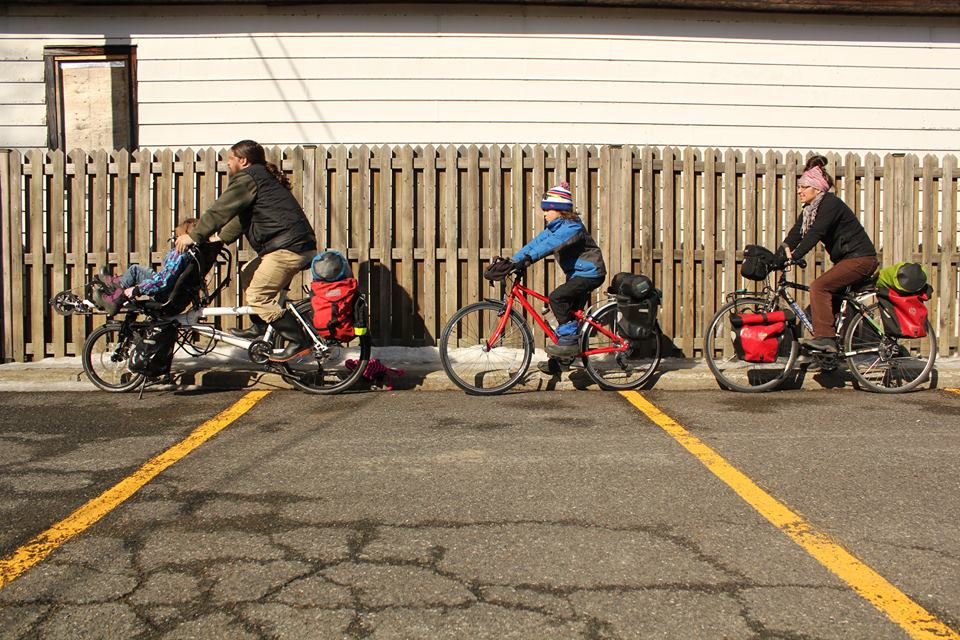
x: 91, y: 98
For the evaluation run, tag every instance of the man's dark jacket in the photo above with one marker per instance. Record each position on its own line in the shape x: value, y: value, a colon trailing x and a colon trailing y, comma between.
x: 257, y: 205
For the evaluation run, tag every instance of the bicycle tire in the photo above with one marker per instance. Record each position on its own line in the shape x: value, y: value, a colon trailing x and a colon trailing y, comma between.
x: 467, y: 361
x: 330, y: 374
x: 734, y: 374
x: 885, y: 364
x: 105, y: 357
x: 618, y: 371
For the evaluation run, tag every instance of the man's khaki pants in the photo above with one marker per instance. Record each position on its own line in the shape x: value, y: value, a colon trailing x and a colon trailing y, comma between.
x: 265, y: 277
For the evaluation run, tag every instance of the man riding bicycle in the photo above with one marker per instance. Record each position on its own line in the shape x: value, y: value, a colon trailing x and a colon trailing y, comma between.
x: 258, y: 204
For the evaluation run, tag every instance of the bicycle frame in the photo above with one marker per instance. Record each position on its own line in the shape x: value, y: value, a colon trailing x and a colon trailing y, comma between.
x: 847, y: 301
x: 518, y: 292
x: 193, y: 321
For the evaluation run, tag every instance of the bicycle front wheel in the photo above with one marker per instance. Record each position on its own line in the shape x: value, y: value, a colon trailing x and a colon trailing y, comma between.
x: 885, y: 364
x: 476, y: 366
x: 618, y: 370
x: 106, y: 354
x: 729, y: 369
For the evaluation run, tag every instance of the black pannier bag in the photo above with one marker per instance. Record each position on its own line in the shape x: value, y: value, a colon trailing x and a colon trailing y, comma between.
x: 758, y: 262
x: 757, y: 337
x: 153, y: 347
x: 637, y: 304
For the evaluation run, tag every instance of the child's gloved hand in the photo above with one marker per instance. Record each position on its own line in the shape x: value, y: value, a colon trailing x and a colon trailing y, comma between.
x: 522, y: 265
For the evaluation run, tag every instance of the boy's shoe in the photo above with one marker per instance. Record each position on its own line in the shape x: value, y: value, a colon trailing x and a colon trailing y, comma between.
x: 562, y: 350
x: 568, y: 333
x: 109, y: 283
x: 111, y: 302
x: 828, y: 345
x: 550, y: 367
x: 555, y: 366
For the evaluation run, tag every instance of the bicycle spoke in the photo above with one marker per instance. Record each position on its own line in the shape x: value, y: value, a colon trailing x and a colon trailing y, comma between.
x: 618, y: 369
x: 734, y: 373
x: 473, y: 365
x: 886, y: 364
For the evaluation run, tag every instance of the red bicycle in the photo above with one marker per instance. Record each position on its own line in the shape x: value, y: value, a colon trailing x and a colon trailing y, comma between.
x: 487, y: 346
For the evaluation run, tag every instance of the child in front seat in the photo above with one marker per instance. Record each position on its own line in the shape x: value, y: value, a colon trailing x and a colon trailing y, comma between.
x: 138, y: 280
x: 579, y: 257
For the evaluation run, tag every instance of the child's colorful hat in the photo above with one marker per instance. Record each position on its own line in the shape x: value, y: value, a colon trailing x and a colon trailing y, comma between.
x: 558, y: 198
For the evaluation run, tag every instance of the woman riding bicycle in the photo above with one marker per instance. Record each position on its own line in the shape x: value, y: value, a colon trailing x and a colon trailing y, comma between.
x: 258, y: 203
x: 826, y: 218
x: 579, y: 257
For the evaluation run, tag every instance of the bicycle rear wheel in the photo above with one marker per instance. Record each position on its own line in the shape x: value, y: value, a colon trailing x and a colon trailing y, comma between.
x: 618, y: 370
x: 334, y: 370
x: 885, y: 364
x: 471, y: 364
x: 738, y: 375
x: 106, y: 354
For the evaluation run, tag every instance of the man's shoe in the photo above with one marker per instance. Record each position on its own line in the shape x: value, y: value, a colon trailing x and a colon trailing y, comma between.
x: 290, y: 328
x: 252, y: 332
x: 825, y: 344
x: 289, y: 351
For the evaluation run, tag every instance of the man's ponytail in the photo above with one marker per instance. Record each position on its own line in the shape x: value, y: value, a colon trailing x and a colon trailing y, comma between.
x: 279, y: 175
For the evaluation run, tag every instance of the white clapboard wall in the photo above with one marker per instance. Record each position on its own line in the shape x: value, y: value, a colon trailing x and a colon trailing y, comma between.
x: 449, y: 74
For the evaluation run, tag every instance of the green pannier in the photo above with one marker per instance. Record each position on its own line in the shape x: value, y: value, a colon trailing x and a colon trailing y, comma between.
x: 903, y: 277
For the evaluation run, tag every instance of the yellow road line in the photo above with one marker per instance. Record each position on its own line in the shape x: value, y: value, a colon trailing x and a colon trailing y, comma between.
x: 956, y: 391
x: 915, y: 620
x: 45, y: 543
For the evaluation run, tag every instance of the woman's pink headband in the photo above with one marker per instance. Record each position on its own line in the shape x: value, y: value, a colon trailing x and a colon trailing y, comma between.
x: 813, y: 177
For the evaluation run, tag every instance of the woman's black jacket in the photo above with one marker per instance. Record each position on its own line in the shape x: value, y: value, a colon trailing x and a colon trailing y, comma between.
x: 835, y: 225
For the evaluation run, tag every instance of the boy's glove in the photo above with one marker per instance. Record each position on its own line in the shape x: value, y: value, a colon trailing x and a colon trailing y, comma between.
x: 523, y: 265
x: 499, y: 269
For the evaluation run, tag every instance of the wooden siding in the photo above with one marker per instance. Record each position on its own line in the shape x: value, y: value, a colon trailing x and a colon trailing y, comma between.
x: 535, y: 75
x: 875, y: 7
x: 420, y: 223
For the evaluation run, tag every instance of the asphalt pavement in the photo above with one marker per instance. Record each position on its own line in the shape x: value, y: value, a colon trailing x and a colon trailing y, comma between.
x: 441, y: 515
x: 422, y: 371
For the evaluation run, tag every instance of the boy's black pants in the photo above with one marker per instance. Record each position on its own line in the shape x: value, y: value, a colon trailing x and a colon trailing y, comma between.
x: 570, y: 296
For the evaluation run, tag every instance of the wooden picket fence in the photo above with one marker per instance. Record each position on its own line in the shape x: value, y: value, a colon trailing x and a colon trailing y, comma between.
x: 420, y: 224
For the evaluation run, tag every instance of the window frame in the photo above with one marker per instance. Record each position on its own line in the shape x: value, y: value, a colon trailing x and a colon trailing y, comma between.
x: 53, y: 78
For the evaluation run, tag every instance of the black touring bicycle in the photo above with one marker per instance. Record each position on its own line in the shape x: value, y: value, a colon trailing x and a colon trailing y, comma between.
x: 137, y: 348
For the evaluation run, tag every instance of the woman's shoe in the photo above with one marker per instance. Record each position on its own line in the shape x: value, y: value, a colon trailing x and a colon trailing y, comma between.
x: 823, y: 343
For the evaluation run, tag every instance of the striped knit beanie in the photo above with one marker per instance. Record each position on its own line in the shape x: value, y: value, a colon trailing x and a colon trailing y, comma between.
x: 558, y: 198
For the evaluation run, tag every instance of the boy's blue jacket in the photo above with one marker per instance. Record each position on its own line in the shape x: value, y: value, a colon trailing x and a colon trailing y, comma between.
x: 577, y: 252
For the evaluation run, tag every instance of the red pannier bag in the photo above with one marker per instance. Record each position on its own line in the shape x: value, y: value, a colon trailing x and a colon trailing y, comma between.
x: 904, y: 315
x: 757, y: 336
x: 332, y: 304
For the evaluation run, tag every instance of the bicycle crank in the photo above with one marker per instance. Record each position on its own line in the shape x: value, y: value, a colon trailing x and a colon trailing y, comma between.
x: 260, y: 351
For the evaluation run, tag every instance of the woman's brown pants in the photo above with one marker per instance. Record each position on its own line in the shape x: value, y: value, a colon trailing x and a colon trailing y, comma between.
x: 831, y: 283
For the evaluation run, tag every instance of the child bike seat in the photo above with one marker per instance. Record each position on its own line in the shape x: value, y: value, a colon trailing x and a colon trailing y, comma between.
x: 188, y: 285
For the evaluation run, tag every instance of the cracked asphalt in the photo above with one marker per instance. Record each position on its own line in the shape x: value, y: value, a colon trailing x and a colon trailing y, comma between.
x: 440, y: 515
